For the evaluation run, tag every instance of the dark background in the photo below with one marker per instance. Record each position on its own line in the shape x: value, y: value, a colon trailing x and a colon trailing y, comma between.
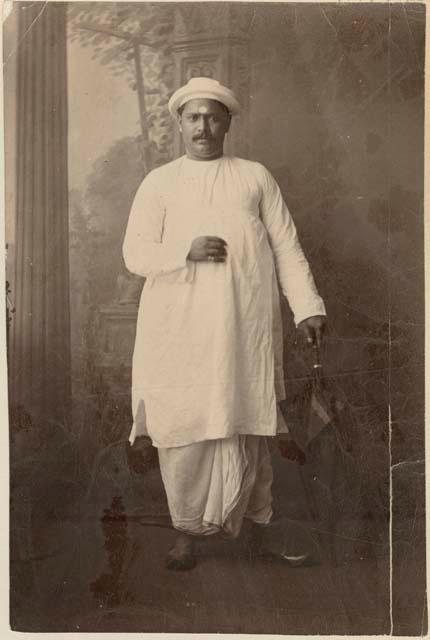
x: 334, y: 107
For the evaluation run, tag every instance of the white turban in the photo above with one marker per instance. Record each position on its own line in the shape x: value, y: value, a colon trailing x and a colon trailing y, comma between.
x: 204, y: 88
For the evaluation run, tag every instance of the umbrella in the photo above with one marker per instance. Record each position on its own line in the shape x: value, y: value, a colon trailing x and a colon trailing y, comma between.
x: 320, y: 442
x: 317, y: 406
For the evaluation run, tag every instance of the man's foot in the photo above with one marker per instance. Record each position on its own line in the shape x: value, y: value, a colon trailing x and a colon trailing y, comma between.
x: 263, y: 545
x: 181, y: 556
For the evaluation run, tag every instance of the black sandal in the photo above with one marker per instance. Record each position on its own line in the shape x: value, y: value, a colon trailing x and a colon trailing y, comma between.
x: 181, y: 559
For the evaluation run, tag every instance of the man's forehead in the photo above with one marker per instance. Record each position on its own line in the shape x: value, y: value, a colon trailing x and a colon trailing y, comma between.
x: 203, y: 105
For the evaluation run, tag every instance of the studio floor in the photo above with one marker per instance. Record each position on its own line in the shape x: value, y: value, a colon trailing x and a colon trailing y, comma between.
x: 228, y: 591
x: 102, y: 569
x: 90, y: 556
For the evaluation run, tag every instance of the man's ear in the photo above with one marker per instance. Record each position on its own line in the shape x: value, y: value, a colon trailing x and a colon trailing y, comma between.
x: 179, y: 120
x: 229, y: 122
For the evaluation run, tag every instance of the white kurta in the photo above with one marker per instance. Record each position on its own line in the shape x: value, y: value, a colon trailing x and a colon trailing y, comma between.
x: 208, y: 354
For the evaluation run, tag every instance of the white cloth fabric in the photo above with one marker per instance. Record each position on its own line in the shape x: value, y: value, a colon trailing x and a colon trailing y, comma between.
x: 213, y: 485
x: 208, y: 354
x: 204, y: 88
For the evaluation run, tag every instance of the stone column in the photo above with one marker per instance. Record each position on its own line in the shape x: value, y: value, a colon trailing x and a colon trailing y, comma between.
x: 40, y: 358
x: 212, y: 39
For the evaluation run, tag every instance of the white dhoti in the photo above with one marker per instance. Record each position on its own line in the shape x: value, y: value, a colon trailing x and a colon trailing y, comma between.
x: 212, y: 485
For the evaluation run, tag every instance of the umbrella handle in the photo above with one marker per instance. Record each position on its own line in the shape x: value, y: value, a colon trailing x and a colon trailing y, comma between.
x: 316, y: 363
x: 316, y: 357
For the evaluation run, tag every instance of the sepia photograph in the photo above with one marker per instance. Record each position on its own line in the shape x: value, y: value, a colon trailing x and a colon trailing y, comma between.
x: 214, y: 250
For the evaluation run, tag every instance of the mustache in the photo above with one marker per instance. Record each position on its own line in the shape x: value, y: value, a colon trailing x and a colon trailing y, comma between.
x: 202, y: 137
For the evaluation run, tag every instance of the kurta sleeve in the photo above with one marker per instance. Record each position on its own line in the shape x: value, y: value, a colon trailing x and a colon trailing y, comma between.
x: 294, y: 274
x: 145, y: 253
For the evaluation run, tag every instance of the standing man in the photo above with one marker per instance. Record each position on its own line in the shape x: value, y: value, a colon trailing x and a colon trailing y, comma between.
x: 214, y: 239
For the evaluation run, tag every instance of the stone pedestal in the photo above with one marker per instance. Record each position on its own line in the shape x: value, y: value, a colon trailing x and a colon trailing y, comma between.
x: 116, y: 329
x: 211, y: 40
x: 40, y: 340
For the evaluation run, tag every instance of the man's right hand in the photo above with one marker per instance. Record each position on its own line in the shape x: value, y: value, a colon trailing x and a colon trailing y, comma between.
x: 208, y: 249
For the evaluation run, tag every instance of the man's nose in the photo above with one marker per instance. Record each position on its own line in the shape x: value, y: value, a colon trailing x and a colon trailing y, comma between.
x: 203, y: 124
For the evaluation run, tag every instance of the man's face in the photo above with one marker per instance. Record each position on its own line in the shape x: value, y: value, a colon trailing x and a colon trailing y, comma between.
x: 203, y: 124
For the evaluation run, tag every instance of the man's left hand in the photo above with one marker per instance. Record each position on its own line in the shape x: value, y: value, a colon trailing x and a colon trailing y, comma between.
x: 313, y: 329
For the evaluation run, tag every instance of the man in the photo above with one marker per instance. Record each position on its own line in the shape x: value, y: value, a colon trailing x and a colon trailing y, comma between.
x: 213, y: 237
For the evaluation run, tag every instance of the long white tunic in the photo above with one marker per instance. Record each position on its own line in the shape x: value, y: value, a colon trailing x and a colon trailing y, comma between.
x: 208, y: 354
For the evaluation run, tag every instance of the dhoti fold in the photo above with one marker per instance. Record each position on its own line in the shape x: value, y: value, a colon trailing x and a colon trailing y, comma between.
x: 212, y: 485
